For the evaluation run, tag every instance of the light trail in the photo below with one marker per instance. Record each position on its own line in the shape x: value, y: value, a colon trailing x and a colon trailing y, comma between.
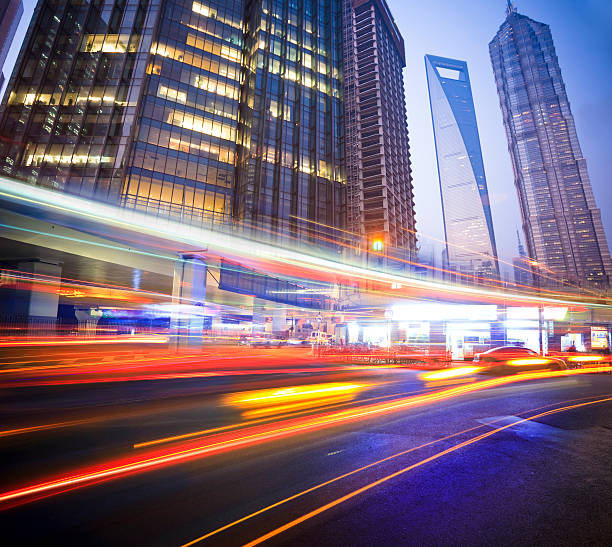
x: 176, y: 376
x: 326, y: 483
x: 205, y: 432
x: 362, y: 468
x: 139, y: 339
x: 391, y: 476
x: 308, y: 264
x: 448, y: 373
x: 128, y: 466
x: 42, y: 427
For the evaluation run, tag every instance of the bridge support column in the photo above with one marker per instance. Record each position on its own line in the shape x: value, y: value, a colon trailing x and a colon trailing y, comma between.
x: 188, y: 299
x: 259, y: 317
x: 279, y: 321
x: 34, y: 305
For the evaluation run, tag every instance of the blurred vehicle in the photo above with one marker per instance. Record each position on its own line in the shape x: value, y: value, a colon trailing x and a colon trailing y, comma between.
x: 512, y: 359
x: 298, y: 342
x: 320, y: 337
x: 261, y: 342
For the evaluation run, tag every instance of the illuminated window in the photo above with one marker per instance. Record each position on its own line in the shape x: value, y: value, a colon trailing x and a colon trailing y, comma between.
x: 172, y: 94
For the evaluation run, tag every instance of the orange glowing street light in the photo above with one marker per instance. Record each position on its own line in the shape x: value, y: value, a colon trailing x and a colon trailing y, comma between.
x: 378, y: 245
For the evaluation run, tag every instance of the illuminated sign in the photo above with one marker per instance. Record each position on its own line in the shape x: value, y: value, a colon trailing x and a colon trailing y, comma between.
x: 549, y: 313
x: 599, y: 338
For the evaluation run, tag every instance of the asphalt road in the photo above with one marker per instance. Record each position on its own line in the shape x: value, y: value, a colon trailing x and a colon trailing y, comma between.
x: 464, y: 469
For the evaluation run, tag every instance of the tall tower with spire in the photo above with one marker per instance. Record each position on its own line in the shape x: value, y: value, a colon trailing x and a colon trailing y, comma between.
x: 561, y: 221
x: 521, y: 248
x: 521, y: 264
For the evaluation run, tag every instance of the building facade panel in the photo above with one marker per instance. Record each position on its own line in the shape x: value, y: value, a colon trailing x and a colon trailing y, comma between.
x: 10, y: 16
x: 182, y: 158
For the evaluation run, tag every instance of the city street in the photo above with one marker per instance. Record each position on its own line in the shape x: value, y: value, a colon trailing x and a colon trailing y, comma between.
x: 403, y: 461
x: 305, y: 273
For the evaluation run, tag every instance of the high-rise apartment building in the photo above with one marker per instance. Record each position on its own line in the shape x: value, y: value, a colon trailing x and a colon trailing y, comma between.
x: 212, y: 109
x: 561, y: 221
x: 10, y: 15
x: 380, y: 200
x: 468, y: 226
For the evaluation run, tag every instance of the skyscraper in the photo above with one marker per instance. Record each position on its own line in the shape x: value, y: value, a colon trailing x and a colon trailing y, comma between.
x: 211, y: 110
x: 10, y: 15
x: 468, y: 226
x: 291, y: 171
x: 379, y: 179
x: 562, y: 224
x: 522, y: 265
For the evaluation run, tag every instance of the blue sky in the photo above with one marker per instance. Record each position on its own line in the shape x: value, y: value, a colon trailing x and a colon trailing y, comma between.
x: 462, y: 29
x: 582, y: 33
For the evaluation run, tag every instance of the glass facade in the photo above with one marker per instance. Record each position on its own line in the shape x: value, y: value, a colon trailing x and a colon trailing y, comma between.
x: 69, y: 108
x: 381, y: 205
x: 562, y: 224
x: 215, y: 110
x: 291, y: 175
x: 183, y: 154
x: 468, y: 226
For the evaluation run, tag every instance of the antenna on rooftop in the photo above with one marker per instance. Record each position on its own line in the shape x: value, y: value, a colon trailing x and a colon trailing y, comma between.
x: 510, y: 9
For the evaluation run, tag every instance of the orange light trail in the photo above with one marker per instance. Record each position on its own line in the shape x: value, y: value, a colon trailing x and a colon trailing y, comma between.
x: 391, y: 476
x: 357, y: 470
x: 84, y: 341
x: 527, y: 362
x: 188, y: 451
x: 586, y: 358
x: 326, y: 483
x: 448, y: 373
x: 205, y: 432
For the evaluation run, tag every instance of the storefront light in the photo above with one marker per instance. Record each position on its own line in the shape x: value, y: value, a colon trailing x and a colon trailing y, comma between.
x: 521, y: 324
x: 433, y: 311
x: 468, y: 326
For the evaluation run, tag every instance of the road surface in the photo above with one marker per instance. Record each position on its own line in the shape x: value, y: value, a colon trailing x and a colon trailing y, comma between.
x: 352, y: 455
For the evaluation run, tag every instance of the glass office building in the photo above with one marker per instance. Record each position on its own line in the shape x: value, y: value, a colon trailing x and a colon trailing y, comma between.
x: 561, y: 221
x: 468, y: 226
x: 291, y: 174
x: 68, y: 111
x: 213, y: 110
x: 379, y: 177
x: 10, y: 16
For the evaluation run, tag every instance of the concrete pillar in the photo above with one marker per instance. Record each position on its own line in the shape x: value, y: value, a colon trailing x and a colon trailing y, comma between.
x: 279, y: 321
x: 437, y: 335
x: 188, y: 301
x: 33, y: 305
x: 88, y: 320
x: 499, y: 332
x: 259, y: 317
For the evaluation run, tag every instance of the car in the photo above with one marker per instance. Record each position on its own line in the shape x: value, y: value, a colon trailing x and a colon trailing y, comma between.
x: 512, y: 359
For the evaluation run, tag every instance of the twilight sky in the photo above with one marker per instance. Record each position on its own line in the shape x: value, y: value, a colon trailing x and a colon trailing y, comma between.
x: 462, y: 29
